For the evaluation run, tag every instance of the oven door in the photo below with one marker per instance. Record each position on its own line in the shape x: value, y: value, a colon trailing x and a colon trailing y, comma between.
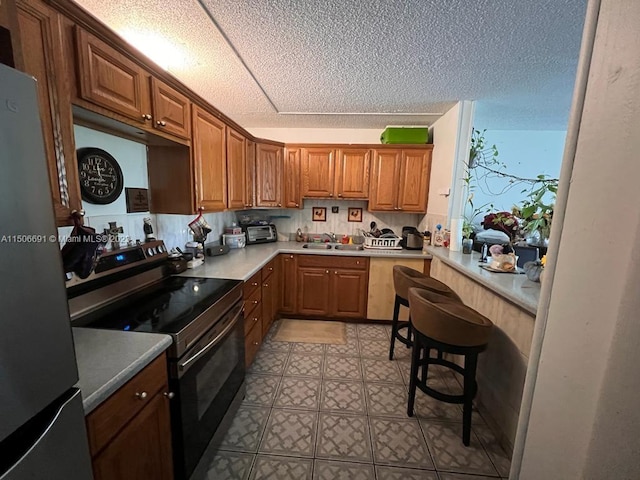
x: 206, y: 380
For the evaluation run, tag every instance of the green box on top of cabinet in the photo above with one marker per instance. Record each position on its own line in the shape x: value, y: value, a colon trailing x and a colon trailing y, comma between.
x: 405, y: 135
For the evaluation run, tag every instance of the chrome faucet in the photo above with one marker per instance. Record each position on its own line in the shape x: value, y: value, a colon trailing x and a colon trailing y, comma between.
x: 331, y: 236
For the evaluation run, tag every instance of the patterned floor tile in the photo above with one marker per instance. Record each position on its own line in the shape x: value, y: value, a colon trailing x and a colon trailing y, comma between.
x: 350, y: 349
x: 399, y: 442
x: 453, y: 381
x: 301, y: 393
x: 227, y: 466
x: 342, y: 396
x: 435, y: 378
x: 343, y: 437
x: 400, y: 352
x: 339, y: 367
x: 462, y: 476
x: 374, y: 348
x: 276, y: 346
x: 267, y: 467
x: 304, y: 365
x: 261, y: 389
x: 396, y: 473
x: 309, y: 347
x: 290, y: 432
x: 267, y: 361
x: 431, y: 409
x: 328, y: 470
x: 386, y: 399
x: 501, y: 460
x: 372, y: 332
x: 449, y: 453
x: 378, y: 370
x: 246, y: 429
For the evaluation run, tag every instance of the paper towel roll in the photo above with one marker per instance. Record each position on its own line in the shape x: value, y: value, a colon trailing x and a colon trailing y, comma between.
x: 455, y: 242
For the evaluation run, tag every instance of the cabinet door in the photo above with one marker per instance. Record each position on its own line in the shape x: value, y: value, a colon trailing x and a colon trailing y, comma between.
x: 268, y: 175
x: 250, y: 189
x: 268, y: 289
x: 142, y: 449
x: 414, y: 180
x: 385, y: 177
x: 348, y: 293
x: 313, y: 291
x: 288, y: 281
x: 318, y: 172
x: 352, y: 173
x: 111, y: 80
x: 171, y: 110
x: 209, y: 154
x: 291, y: 178
x: 42, y: 49
x: 236, y: 169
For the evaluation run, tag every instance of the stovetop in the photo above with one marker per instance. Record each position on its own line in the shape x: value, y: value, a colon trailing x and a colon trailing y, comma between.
x: 167, y: 306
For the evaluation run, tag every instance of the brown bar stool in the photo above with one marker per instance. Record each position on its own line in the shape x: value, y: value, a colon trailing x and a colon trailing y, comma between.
x: 443, y: 324
x: 403, y: 279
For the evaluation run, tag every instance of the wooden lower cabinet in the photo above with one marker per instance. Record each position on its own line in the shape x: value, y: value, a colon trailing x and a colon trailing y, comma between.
x: 270, y: 294
x: 130, y: 433
x: 288, y: 284
x: 329, y: 286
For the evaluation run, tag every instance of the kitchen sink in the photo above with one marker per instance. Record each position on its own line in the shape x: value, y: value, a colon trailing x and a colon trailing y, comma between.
x: 317, y: 246
x: 349, y: 247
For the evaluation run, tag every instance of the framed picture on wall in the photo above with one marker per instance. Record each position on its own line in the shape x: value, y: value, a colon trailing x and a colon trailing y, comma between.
x: 354, y: 215
x: 319, y: 214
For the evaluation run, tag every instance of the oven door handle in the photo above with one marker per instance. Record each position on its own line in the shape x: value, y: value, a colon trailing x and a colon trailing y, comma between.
x: 230, y: 324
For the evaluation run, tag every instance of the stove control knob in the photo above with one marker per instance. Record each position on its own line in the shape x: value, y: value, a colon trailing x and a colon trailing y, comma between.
x: 150, y: 251
x: 141, y: 396
x: 160, y: 249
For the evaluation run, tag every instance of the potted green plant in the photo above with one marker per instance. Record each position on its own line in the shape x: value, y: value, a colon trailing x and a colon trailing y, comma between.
x: 467, y: 241
x: 536, y: 211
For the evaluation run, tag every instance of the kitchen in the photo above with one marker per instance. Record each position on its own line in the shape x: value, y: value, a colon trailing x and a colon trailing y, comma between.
x: 178, y: 149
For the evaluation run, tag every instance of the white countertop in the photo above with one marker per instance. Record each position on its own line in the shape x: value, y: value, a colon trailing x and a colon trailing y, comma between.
x: 516, y: 288
x: 242, y: 263
x: 107, y: 359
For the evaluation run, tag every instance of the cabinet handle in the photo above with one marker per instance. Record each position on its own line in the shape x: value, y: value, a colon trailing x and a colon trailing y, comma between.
x: 271, y: 269
x: 339, y: 194
x: 161, y: 123
x: 255, y: 302
x: 331, y: 194
x: 297, y: 204
x: 255, y: 319
x: 256, y: 343
x: 169, y: 395
x: 279, y: 204
x: 335, y: 273
x: 290, y: 256
x: 254, y: 284
x: 146, y: 116
x: 141, y: 396
x: 326, y: 271
x: 265, y: 285
x: 357, y: 262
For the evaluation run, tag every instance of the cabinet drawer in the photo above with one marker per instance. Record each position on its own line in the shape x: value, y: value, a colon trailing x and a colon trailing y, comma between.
x: 253, y: 283
x: 268, y: 269
x: 252, y: 302
x: 324, y: 261
x: 252, y: 342
x: 251, y: 318
x: 110, y: 417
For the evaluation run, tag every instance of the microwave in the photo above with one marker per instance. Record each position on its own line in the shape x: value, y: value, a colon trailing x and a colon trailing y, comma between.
x: 260, y: 233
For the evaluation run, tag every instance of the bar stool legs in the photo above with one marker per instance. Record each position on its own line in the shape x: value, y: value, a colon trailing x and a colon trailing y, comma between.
x: 419, y: 360
x: 396, y: 325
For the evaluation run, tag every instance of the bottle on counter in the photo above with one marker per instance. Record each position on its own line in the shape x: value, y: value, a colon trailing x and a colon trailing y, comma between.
x: 484, y: 252
x: 438, y: 236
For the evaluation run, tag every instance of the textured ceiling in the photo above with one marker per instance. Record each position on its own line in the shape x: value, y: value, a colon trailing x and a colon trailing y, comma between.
x: 262, y: 62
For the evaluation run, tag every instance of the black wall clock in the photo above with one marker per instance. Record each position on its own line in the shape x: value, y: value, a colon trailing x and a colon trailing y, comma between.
x: 101, y: 179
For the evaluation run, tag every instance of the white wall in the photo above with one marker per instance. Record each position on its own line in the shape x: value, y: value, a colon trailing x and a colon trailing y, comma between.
x: 526, y: 154
x: 584, y: 419
x: 319, y: 135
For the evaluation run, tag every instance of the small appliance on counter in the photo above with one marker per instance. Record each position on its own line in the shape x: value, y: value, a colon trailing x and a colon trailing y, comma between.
x: 412, y: 239
x: 214, y: 250
x: 260, y: 233
x: 234, y: 240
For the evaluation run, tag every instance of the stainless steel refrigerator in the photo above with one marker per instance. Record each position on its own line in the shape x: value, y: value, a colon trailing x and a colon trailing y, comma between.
x: 42, y: 429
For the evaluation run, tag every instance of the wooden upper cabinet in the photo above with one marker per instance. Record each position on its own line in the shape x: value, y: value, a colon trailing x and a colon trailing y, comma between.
x: 317, y: 171
x: 409, y: 170
x: 291, y: 178
x: 250, y: 189
x: 171, y: 110
x: 111, y: 80
x: 268, y: 175
x: 414, y: 180
x: 385, y: 177
x: 352, y: 173
x: 236, y: 170
x: 40, y: 29
x: 209, y: 156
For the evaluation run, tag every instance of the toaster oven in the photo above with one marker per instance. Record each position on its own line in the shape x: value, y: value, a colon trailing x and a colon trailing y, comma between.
x: 260, y: 233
